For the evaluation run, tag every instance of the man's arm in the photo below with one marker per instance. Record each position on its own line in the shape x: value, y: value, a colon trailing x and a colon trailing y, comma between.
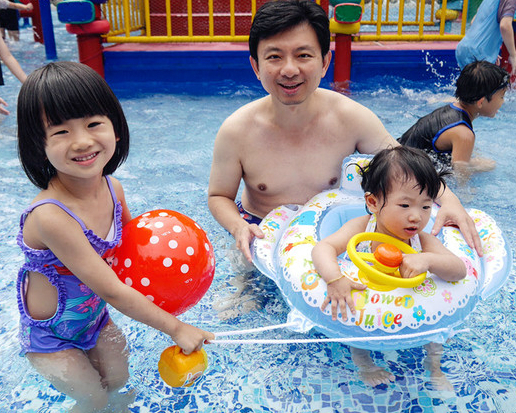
x: 225, y: 177
x: 453, y: 213
x: 508, y: 39
x: 372, y: 135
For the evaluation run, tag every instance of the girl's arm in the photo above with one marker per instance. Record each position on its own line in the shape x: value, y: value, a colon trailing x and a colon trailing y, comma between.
x: 64, y: 236
x: 324, y: 256
x: 20, y: 6
x: 435, y: 258
x: 11, y: 62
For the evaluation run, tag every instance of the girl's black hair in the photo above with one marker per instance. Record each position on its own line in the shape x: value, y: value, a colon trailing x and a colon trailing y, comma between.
x: 402, y: 163
x: 279, y: 16
x: 58, y: 92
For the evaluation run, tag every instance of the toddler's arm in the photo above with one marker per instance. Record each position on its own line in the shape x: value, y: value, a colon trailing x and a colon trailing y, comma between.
x: 324, y: 256
x: 435, y: 258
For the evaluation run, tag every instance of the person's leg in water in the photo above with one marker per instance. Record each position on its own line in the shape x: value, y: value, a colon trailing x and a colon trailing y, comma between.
x: 369, y: 372
x: 90, y: 377
x: 434, y: 352
x: 253, y: 290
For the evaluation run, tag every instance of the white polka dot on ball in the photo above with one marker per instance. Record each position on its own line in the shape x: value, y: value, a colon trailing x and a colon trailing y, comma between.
x: 145, y: 282
x: 127, y: 262
x: 173, y: 244
x: 185, y: 268
x: 159, y: 224
x: 190, y: 251
x: 146, y: 214
x: 128, y: 281
x: 140, y: 224
x: 154, y: 239
x: 207, y: 246
x: 167, y: 262
x: 177, y: 228
x: 163, y: 214
x: 150, y: 298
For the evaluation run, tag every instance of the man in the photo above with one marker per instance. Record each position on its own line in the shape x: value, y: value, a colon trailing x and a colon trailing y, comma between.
x: 289, y: 146
x: 491, y: 26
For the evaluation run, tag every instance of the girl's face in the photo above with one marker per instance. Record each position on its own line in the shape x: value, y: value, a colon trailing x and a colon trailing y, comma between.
x: 81, y: 147
x: 405, y: 213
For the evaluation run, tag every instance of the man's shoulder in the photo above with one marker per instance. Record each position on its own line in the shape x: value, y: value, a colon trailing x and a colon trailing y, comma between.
x: 342, y: 106
x: 249, y: 109
x: 242, y: 119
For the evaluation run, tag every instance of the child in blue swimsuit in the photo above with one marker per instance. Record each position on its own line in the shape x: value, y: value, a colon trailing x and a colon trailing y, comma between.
x: 72, y: 134
x: 446, y: 134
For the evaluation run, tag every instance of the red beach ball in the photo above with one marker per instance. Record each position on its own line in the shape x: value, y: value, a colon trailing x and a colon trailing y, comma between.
x: 167, y: 257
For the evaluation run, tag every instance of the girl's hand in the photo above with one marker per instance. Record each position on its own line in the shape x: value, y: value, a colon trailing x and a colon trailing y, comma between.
x: 339, y: 294
x: 191, y: 338
x: 413, y: 265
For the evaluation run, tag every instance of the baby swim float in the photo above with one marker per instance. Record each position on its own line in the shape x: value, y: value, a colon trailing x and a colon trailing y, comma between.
x: 386, y: 318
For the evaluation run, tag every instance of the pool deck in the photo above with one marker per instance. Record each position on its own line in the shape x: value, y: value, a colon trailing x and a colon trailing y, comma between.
x: 163, y: 64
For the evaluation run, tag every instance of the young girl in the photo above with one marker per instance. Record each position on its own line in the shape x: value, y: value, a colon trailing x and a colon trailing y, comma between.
x: 72, y: 134
x: 400, y: 185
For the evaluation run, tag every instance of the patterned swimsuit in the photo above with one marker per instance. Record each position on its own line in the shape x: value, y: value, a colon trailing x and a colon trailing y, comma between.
x: 80, y: 314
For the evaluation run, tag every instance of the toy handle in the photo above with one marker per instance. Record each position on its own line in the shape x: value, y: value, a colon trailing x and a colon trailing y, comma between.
x: 373, y: 277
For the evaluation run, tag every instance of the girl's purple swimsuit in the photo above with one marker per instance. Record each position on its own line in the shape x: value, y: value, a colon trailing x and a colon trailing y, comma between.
x: 81, y: 314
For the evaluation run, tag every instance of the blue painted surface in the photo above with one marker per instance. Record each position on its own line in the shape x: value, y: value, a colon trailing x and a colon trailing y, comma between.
x: 181, y: 71
x: 48, y: 29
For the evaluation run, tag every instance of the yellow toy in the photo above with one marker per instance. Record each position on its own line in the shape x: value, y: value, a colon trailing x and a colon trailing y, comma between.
x: 180, y: 370
x: 383, y: 275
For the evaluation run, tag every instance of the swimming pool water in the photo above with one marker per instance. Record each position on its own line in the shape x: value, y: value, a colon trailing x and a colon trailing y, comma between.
x: 168, y: 167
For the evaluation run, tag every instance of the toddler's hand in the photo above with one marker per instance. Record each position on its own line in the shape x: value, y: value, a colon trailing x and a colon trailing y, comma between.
x: 413, y: 265
x: 339, y: 294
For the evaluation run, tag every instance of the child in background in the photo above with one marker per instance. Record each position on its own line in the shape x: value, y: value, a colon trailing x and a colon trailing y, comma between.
x: 72, y: 134
x: 447, y: 134
x: 7, y: 58
x: 400, y: 186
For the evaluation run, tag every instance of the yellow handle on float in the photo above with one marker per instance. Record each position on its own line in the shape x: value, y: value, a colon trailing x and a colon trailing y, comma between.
x: 380, y: 277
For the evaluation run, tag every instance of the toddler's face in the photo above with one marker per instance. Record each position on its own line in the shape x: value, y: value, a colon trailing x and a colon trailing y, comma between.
x: 406, y: 211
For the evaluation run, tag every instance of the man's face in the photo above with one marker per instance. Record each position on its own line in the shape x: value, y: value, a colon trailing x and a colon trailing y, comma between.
x: 290, y: 65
